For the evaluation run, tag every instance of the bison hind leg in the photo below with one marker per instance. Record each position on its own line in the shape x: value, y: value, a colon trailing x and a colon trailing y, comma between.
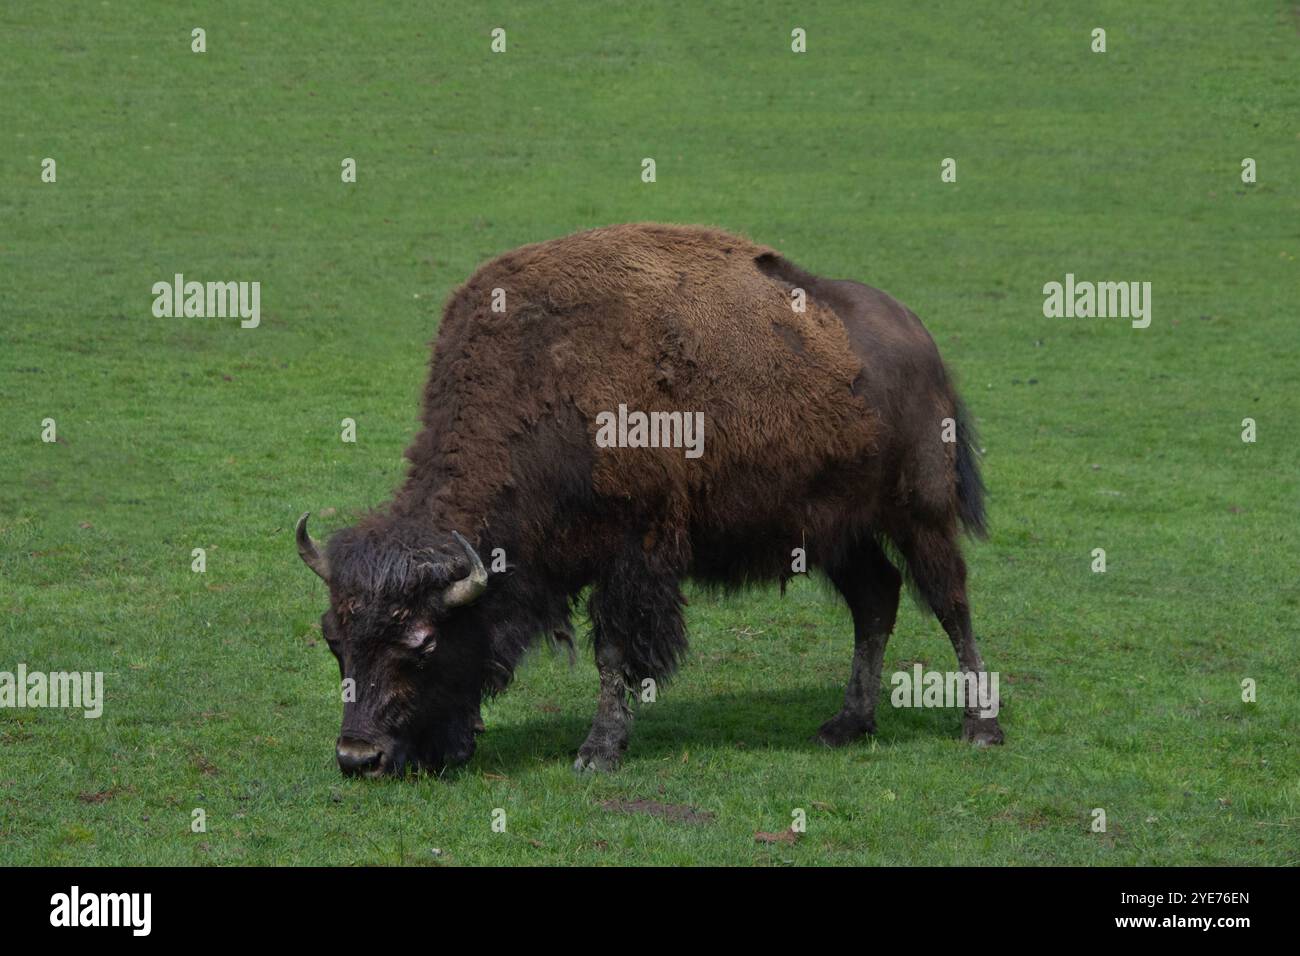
x: 938, y: 573
x: 870, y: 585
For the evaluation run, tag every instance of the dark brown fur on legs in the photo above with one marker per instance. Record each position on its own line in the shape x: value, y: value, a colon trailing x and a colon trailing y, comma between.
x: 636, y: 615
x: 870, y: 586
x: 607, y: 740
x: 937, y: 568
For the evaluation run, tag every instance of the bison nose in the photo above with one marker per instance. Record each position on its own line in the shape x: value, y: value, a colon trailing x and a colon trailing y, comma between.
x: 357, y: 756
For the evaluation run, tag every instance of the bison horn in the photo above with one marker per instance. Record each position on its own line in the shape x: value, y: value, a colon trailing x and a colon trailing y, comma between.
x: 468, y: 589
x: 309, y: 551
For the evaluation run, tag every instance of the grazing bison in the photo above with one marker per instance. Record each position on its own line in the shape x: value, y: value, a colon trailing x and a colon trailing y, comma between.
x: 794, y: 412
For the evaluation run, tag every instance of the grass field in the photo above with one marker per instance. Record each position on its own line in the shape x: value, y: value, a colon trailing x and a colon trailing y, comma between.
x: 1122, y: 690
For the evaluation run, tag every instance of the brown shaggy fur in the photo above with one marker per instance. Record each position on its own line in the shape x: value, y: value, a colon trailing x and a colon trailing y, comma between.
x: 678, y: 318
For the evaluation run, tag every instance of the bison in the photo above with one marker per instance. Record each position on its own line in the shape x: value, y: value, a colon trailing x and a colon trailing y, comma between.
x: 827, y: 423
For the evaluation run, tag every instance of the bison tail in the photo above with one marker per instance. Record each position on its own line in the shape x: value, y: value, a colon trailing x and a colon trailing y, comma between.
x: 970, y: 486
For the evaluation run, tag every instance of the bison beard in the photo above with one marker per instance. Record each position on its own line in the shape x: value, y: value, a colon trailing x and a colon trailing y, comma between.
x: 825, y: 432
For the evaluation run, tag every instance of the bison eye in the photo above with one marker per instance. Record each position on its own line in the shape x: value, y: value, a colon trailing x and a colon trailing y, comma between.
x: 419, y: 636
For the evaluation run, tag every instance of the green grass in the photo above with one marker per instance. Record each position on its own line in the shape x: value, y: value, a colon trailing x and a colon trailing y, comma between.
x: 1122, y: 690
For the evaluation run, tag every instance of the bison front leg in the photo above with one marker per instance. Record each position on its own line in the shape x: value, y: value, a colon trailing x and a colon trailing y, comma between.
x: 603, y: 749
x: 636, y: 616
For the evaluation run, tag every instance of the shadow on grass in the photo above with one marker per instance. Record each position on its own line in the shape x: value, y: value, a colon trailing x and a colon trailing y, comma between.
x: 784, y: 719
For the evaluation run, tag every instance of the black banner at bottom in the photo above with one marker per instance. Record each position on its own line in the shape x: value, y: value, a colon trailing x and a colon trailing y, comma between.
x: 368, y: 905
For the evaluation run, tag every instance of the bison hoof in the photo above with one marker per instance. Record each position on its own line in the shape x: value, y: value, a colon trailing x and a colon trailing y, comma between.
x: 982, y: 731
x: 844, y: 728
x: 589, y: 762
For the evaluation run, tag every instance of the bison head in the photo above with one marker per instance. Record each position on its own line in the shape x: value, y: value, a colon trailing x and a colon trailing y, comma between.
x: 403, y: 630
